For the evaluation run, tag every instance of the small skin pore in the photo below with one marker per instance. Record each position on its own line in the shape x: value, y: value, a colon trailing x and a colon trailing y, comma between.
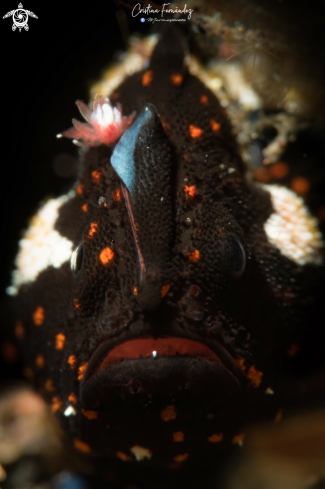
x: 38, y: 316
x: 147, y: 78
x: 195, y: 132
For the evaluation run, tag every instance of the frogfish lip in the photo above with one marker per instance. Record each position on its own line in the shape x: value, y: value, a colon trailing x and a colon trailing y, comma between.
x: 158, y: 365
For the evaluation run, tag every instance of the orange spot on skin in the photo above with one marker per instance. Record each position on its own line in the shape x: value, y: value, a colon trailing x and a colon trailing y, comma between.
x: 92, y: 230
x: 123, y: 456
x: 166, y: 126
x: 9, y: 352
x: 115, y: 96
x: 135, y: 290
x: 80, y: 189
x: 106, y: 255
x: 72, y: 361
x: 81, y: 445
x: 262, y: 175
x: 90, y: 414
x: 85, y: 207
x: 164, y: 290
x: 181, y: 458
x: 240, y: 364
x: 147, y: 78
x: 194, y: 256
x: 195, y: 132
x: 238, y: 439
x: 49, y: 385
x: 215, y: 438
x: 19, y: 330
x: 215, y: 126
x: 178, y: 436
x: 177, y: 79
x: 95, y: 176
x: 28, y: 373
x: 204, y: 99
x: 81, y: 370
x: 254, y: 376
x: 168, y: 413
x: 293, y: 350
x: 56, y: 404
x: 40, y: 361
x: 279, y: 170
x: 190, y: 190
x: 72, y: 398
x: 38, y: 316
x: 300, y: 185
x: 279, y: 416
x: 76, y: 303
x: 59, y: 341
x: 116, y: 194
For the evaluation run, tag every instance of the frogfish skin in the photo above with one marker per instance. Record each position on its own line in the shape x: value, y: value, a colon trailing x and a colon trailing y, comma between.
x: 156, y: 302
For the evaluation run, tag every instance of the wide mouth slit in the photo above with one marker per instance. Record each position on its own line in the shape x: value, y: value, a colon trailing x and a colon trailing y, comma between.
x: 151, y: 347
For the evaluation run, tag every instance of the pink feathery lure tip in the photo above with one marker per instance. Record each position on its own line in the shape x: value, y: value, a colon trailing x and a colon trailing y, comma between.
x: 105, y: 124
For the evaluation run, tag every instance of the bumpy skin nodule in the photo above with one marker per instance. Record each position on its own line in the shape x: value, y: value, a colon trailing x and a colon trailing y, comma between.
x: 193, y: 243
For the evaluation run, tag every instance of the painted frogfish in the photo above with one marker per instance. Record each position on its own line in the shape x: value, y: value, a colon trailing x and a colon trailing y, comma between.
x: 157, y: 301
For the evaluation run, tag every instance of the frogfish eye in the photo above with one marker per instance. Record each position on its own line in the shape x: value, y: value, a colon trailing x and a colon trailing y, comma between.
x: 77, y: 258
x: 233, y: 256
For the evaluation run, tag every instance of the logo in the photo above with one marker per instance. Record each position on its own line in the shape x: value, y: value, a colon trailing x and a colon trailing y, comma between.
x: 20, y: 18
x: 148, y: 10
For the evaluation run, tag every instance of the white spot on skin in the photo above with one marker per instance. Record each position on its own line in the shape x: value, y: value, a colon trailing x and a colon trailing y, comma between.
x: 269, y: 391
x: 291, y: 228
x: 141, y: 453
x: 42, y: 246
x: 70, y: 411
